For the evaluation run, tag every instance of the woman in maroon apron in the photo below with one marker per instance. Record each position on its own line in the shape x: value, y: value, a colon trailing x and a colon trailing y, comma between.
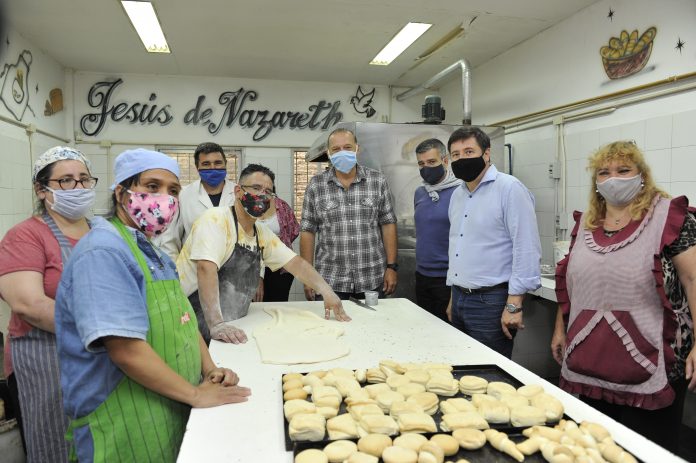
x: 624, y: 330
x: 32, y: 256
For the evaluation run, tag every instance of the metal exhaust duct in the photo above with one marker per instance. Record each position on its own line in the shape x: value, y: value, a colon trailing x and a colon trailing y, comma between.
x: 465, y: 68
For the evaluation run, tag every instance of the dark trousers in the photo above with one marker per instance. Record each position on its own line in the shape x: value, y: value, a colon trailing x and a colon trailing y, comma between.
x: 478, y: 315
x: 660, y: 426
x: 13, y: 406
x: 276, y: 286
x: 433, y: 294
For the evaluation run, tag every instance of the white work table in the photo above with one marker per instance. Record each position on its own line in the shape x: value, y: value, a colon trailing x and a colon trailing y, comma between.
x: 547, y: 290
x: 398, y: 330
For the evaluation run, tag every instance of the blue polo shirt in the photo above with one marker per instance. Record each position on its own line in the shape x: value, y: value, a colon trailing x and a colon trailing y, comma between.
x: 432, y: 232
x: 101, y: 293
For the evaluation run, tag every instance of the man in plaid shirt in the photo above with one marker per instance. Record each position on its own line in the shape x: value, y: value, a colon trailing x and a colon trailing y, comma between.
x: 350, y: 207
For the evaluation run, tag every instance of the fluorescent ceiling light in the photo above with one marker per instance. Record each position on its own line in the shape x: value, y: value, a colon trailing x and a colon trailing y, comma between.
x: 144, y: 19
x: 401, y: 41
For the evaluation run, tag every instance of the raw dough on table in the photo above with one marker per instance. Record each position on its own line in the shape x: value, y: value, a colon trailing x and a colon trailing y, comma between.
x: 294, y: 337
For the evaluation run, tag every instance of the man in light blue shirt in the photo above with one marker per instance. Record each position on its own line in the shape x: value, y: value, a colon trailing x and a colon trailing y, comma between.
x: 494, y: 247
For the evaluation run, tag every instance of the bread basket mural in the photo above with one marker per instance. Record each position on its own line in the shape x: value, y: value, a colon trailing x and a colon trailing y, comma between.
x: 627, y: 54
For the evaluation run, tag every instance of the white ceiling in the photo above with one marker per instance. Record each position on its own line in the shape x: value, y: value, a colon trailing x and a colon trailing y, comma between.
x: 311, y: 40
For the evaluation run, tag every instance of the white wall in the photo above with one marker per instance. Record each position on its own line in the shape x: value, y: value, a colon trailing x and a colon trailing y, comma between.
x: 17, y: 153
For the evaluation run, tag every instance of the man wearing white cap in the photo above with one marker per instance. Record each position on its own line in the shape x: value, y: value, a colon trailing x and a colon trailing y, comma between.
x: 130, y: 354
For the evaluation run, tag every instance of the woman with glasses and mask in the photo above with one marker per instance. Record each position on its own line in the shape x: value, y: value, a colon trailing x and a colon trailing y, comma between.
x: 220, y: 263
x: 280, y: 219
x: 32, y: 256
x: 626, y: 293
x: 132, y: 361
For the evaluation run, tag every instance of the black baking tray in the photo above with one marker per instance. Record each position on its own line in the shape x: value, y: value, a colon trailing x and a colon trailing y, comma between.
x: 488, y: 372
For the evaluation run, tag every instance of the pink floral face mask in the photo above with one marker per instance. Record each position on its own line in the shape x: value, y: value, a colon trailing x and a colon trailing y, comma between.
x: 152, y: 213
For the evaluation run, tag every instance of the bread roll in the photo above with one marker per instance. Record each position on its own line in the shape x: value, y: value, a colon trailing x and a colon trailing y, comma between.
x: 456, y: 405
x: 531, y: 445
x: 495, y: 412
x: 526, y: 415
x: 430, y: 452
x: 497, y: 388
x: 386, y: 398
x: 443, y: 385
x: 418, y: 376
x: 340, y: 450
x: 327, y: 412
x: 374, y: 444
x: 311, y: 456
x: 597, y: 431
x: 312, y: 380
x: 428, y: 401
x: 375, y: 375
x: 514, y: 400
x: 307, y: 427
x: 530, y: 390
x: 326, y: 396
x: 410, y: 441
x: 401, y: 407
x: 459, y: 420
x: 359, y: 396
x: 478, y: 399
x: 360, y: 457
x: 347, y: 385
x: 500, y: 441
x: 296, y: 406
x: 407, y: 390
x: 448, y: 444
x: 295, y: 394
x: 375, y: 389
x: 399, y: 455
x: 358, y: 411
x: 288, y: 376
x: 343, y: 372
x: 342, y: 426
x: 292, y: 384
x: 551, y: 405
x: 545, y: 432
x: 361, y: 375
x: 416, y: 422
x: 390, y: 367
x: 379, y: 424
x: 469, y: 439
x: 396, y: 380
x: 472, y: 385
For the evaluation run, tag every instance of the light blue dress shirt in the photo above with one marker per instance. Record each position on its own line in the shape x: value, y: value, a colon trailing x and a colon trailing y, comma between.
x: 493, y: 235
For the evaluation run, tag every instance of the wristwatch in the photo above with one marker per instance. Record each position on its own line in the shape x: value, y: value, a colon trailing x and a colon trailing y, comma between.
x: 512, y: 308
x: 394, y: 267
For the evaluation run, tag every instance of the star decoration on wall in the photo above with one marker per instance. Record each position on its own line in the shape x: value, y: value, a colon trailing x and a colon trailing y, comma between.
x: 611, y: 15
x: 7, y: 40
x: 37, y: 88
x: 680, y: 45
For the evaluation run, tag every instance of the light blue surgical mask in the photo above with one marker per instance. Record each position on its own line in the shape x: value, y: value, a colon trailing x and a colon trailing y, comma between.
x: 72, y: 204
x: 344, y: 160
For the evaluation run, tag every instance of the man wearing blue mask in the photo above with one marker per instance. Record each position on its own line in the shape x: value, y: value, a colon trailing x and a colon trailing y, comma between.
x: 213, y: 189
x: 350, y: 207
x: 431, y: 202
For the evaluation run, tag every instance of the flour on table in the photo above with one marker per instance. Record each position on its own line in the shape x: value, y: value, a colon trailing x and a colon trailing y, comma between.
x: 293, y: 337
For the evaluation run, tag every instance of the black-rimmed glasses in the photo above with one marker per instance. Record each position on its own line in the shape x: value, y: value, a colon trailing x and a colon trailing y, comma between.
x: 259, y: 190
x: 69, y: 183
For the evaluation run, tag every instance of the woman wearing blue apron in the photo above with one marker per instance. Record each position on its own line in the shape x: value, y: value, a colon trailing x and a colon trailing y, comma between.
x: 32, y: 256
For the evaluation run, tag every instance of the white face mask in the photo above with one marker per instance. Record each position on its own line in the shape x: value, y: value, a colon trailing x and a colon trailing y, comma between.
x: 72, y: 204
x: 620, y: 191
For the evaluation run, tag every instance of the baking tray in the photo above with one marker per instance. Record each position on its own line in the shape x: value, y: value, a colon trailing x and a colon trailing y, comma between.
x: 488, y: 372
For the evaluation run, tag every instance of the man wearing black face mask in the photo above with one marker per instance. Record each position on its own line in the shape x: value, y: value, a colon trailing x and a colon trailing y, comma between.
x: 431, y: 203
x: 494, y: 247
x: 220, y: 263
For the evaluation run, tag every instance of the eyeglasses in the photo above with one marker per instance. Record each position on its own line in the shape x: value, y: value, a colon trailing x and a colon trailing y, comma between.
x: 259, y: 190
x: 69, y: 183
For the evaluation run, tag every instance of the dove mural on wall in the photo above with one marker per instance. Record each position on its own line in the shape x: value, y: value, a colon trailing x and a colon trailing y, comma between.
x: 362, y: 102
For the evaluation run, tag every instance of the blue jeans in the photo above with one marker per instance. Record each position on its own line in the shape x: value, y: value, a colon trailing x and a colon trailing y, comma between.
x: 478, y: 315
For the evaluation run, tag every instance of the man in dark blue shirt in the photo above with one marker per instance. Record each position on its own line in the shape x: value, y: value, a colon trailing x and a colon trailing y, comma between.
x: 431, y: 203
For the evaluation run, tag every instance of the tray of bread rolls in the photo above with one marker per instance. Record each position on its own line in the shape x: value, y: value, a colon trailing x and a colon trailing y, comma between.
x: 396, y: 398
x: 565, y: 442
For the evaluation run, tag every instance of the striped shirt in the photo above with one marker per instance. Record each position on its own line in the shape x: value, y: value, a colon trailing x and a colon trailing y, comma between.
x: 349, y: 251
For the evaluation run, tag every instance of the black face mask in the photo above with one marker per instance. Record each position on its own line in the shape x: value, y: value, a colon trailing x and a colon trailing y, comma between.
x: 432, y: 175
x: 255, y: 205
x: 468, y: 169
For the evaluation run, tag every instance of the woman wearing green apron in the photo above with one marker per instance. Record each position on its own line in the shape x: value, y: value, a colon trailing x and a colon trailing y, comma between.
x: 132, y: 361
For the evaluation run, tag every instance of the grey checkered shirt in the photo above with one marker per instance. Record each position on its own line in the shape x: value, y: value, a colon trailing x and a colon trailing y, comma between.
x: 349, y: 251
